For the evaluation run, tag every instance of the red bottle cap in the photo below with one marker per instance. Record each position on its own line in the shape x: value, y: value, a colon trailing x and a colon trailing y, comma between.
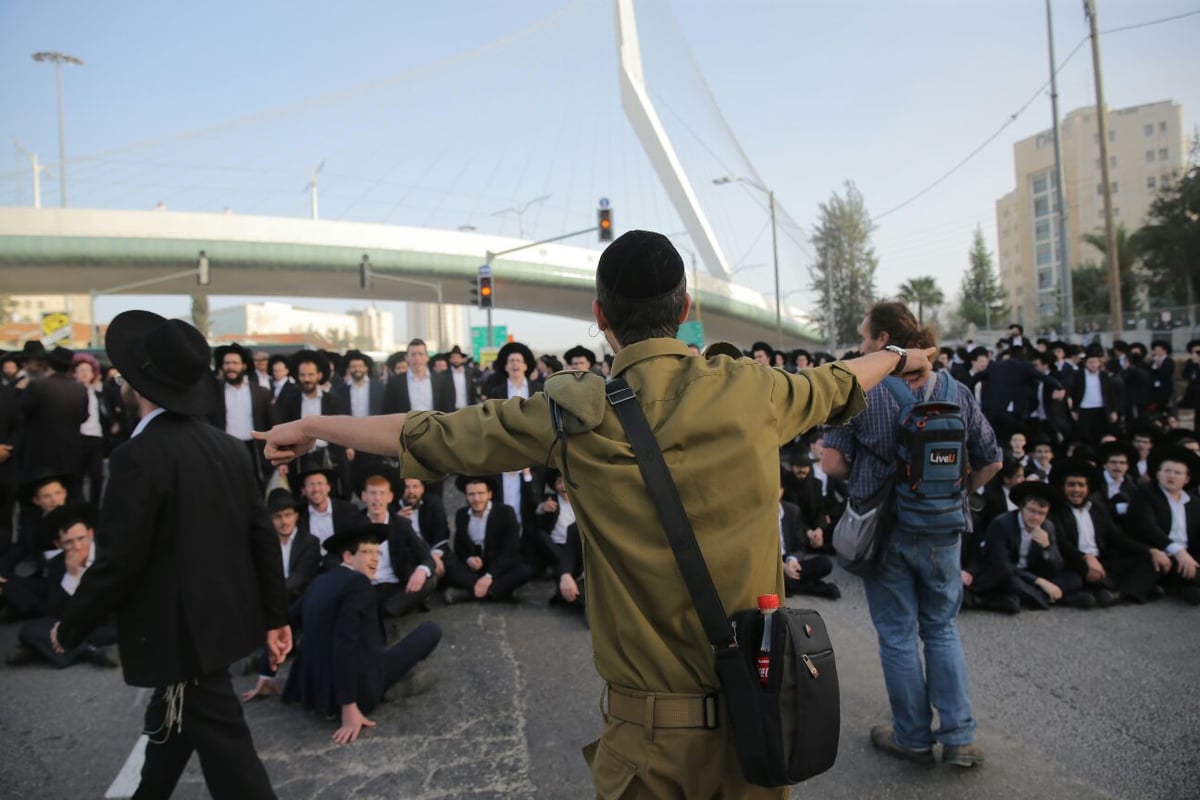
x: 768, y: 601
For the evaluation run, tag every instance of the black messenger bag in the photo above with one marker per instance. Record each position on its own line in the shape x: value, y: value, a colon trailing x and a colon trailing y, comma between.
x: 786, y: 731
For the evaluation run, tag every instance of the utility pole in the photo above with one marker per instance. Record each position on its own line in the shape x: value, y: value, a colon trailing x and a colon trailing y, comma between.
x: 38, y: 168
x: 311, y: 188
x: 58, y: 59
x: 1110, y: 228
x: 1068, y: 297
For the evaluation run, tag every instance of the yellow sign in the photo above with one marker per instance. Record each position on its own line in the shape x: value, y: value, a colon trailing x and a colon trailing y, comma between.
x: 56, y: 326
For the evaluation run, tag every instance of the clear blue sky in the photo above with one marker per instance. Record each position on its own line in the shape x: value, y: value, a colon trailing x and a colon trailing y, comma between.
x: 443, y: 113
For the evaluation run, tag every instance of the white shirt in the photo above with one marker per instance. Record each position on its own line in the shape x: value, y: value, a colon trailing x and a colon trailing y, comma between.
x: 239, y: 416
x: 1026, y: 541
x: 1179, y: 537
x: 518, y: 391
x: 459, y: 376
x: 1009, y: 505
x: 420, y: 392
x: 477, y: 526
x: 262, y: 379
x: 1093, y: 397
x: 566, y: 518
x: 279, y: 387
x: 1087, y: 530
x: 70, y: 582
x: 287, y: 554
x: 91, y: 425
x: 311, y: 407
x: 384, y: 573
x: 320, y: 524
x: 782, y: 540
x: 512, y: 490
x: 360, y: 399
x: 144, y: 421
x: 820, y: 475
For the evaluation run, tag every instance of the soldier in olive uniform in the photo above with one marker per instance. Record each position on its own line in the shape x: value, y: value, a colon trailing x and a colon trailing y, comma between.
x: 720, y: 420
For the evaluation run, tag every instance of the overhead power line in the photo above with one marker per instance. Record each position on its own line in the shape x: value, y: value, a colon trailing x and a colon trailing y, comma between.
x: 1016, y: 114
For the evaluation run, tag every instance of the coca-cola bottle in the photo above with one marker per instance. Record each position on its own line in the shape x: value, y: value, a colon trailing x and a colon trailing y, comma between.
x: 768, y: 604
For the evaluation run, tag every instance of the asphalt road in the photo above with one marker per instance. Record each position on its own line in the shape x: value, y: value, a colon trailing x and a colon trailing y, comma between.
x: 1079, y: 704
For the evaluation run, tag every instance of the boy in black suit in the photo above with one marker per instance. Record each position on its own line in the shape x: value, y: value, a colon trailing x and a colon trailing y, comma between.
x: 301, y: 550
x: 344, y: 667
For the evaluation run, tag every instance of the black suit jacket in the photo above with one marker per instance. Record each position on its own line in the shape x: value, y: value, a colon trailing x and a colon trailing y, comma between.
x: 501, y: 549
x: 346, y: 515
x: 289, y: 404
x: 1149, y: 519
x: 1108, y: 392
x: 1162, y: 384
x: 1110, y: 540
x: 341, y: 659
x: 185, y: 555
x: 1003, y: 543
x: 435, y: 528
x: 261, y: 409
x: 1011, y: 381
x: 52, y: 409
x: 795, y: 535
x: 406, y: 548
x: 303, y: 562
x: 375, y: 392
x: 395, y: 397
x: 10, y: 429
x: 472, y: 376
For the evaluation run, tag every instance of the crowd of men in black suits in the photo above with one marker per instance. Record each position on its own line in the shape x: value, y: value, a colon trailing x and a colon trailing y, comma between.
x: 1093, y: 505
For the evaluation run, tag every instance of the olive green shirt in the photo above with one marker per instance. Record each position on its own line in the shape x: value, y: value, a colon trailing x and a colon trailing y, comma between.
x: 720, y: 422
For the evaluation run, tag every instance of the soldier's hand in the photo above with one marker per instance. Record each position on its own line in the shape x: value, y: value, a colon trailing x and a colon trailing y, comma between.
x: 285, y: 442
x: 918, y: 364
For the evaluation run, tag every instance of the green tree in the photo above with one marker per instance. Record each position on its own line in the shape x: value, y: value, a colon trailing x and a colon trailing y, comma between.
x: 981, y: 297
x: 924, y: 292
x: 1170, y: 242
x: 1128, y: 259
x: 843, y: 274
x: 1089, y: 289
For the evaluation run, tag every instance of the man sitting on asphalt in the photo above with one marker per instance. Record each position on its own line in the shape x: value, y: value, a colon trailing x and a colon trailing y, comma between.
x: 487, y: 541
x: 404, y: 578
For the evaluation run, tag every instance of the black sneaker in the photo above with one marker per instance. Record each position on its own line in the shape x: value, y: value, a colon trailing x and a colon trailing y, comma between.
x: 1106, y: 598
x: 825, y: 589
x: 24, y: 654
x: 1191, y: 595
x: 1080, y: 599
x: 884, y: 738
x: 1004, y: 603
x: 107, y: 657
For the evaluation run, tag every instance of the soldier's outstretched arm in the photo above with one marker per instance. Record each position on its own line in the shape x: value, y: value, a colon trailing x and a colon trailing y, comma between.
x: 290, y: 440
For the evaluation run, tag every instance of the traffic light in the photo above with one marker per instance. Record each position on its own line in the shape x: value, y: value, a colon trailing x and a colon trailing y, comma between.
x: 481, y: 287
x: 604, y: 223
x: 485, y: 291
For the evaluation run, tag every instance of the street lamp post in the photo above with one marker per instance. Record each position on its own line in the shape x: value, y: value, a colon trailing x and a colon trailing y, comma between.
x: 58, y: 59
x: 774, y: 248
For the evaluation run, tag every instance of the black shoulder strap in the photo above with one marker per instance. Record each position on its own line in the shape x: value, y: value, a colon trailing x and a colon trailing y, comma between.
x: 672, y: 514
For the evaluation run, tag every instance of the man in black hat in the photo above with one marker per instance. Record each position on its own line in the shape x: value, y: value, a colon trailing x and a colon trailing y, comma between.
x: 345, y: 667
x: 362, y: 395
x: 1117, y: 487
x: 244, y: 406
x: 428, y: 518
x: 71, y: 529
x: 580, y: 358
x: 721, y: 420
x: 487, y: 543
x: 465, y: 378
x: 187, y: 560
x: 32, y: 360
x: 311, y: 369
x: 1093, y: 398
x: 323, y: 515
x: 281, y: 376
x: 405, y: 576
x: 301, y: 550
x: 52, y: 409
x: 1162, y: 377
x: 10, y: 478
x: 515, y: 373
x: 1165, y: 517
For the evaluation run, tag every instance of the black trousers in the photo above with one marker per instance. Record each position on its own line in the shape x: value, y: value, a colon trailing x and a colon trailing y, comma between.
x: 35, y: 634
x: 93, y: 468
x: 395, y: 600
x: 503, y: 584
x: 812, y: 571
x: 215, y: 728
x: 1091, y: 425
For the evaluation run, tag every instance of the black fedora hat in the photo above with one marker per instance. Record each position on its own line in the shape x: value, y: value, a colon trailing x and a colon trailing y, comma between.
x: 1179, y: 436
x: 61, y: 359
x: 330, y: 474
x: 62, y: 518
x: 219, y: 354
x: 1076, y: 466
x: 462, y: 480
x: 1107, y: 450
x: 579, y: 351
x: 516, y: 347
x: 33, y: 350
x: 1039, y: 489
x: 316, y: 357
x: 351, y: 355
x: 281, y: 499
x: 339, y: 543
x: 165, y: 360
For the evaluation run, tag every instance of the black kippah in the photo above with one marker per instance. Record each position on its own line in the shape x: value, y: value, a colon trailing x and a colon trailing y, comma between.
x: 640, y: 265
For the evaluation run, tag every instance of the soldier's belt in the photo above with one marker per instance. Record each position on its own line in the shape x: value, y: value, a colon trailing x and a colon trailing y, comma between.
x: 662, y: 710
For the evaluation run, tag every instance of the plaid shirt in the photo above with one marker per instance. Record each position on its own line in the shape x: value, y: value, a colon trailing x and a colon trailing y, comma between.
x: 868, y: 442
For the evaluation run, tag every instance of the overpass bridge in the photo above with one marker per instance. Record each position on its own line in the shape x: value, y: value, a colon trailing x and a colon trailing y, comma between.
x: 58, y: 251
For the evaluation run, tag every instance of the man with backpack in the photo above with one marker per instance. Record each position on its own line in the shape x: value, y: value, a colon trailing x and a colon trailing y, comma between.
x: 935, y: 443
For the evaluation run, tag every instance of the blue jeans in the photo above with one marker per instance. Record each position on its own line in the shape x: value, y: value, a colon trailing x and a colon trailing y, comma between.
x: 918, y: 592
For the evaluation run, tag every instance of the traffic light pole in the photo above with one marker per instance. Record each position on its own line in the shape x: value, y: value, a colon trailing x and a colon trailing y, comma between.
x: 436, y: 286
x: 490, y: 256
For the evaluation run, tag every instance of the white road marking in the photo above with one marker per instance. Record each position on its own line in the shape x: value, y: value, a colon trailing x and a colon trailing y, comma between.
x: 130, y: 776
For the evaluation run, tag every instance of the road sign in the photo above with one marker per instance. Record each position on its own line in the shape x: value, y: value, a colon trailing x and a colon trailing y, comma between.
x: 479, y: 340
x: 56, y: 326
x: 603, y: 202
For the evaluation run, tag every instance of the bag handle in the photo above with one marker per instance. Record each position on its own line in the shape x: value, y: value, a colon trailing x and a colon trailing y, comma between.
x: 672, y: 515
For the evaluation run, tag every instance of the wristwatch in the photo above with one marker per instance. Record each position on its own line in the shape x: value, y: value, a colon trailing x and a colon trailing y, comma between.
x: 900, y: 351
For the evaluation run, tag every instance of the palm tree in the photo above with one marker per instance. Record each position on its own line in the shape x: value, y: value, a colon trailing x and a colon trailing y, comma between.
x: 1129, y: 254
x: 924, y: 292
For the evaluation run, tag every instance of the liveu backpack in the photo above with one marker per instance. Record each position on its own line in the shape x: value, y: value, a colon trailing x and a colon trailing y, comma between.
x: 931, y: 458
